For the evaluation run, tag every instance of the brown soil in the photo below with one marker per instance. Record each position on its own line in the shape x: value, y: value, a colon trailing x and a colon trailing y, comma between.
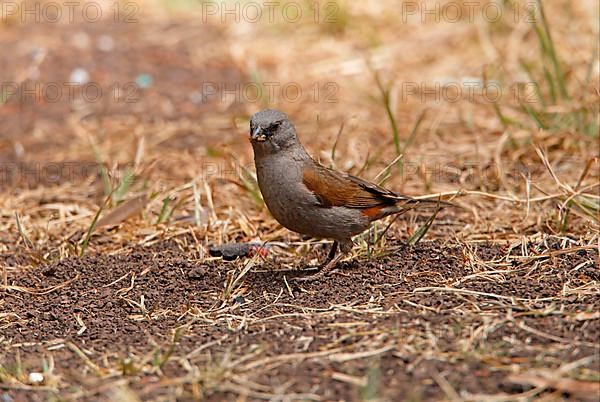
x: 297, y: 340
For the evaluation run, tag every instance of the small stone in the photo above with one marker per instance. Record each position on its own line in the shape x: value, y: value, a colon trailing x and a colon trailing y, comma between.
x: 79, y: 76
x: 105, y: 43
x: 144, y: 80
x: 36, y: 378
x: 196, y: 273
x: 50, y: 271
x: 231, y: 251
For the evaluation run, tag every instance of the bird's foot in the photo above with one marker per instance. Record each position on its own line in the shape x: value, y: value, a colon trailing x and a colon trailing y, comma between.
x: 325, y: 269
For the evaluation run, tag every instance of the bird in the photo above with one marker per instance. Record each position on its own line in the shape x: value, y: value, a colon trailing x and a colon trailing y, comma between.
x: 311, y: 199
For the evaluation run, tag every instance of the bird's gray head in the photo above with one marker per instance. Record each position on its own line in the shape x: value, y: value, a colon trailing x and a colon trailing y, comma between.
x: 271, y: 131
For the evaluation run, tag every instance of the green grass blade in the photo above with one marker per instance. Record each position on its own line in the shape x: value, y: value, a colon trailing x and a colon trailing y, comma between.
x: 92, y: 226
x: 124, y: 185
x: 337, y: 139
x: 386, y: 98
x: 422, y: 231
x: 534, y: 116
x: 164, y: 213
x: 558, y: 73
x: 26, y: 240
x: 551, y: 85
x: 251, y: 186
x: 106, y: 184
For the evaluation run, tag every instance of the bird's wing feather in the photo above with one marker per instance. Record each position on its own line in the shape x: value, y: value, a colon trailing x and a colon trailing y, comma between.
x: 333, y: 188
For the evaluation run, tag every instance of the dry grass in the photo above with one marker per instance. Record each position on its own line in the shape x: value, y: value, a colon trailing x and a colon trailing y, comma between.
x: 525, y: 176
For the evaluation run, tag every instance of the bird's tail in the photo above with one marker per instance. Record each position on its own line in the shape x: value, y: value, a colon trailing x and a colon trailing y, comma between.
x: 427, y: 202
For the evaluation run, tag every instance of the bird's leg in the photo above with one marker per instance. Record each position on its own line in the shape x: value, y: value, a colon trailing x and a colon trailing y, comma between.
x: 331, y: 254
x: 330, y: 263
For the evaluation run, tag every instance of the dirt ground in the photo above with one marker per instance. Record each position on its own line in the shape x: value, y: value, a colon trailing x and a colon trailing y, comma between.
x: 498, y: 302
x: 158, y: 321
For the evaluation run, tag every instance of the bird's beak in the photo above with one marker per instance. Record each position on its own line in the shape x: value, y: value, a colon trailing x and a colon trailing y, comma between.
x: 257, y: 135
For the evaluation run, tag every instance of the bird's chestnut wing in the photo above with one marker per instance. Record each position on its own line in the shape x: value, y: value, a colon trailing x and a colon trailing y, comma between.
x: 333, y: 188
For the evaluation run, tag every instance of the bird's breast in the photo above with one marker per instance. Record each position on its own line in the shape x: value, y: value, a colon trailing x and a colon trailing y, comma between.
x: 283, y: 192
x: 295, y: 207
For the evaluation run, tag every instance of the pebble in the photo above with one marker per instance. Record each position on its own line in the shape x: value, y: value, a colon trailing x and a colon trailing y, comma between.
x: 80, y: 76
x: 231, y: 251
x: 144, y: 80
x: 105, y: 43
x: 36, y: 378
x: 196, y: 273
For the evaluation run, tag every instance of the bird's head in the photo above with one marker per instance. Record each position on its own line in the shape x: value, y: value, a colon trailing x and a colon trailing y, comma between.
x: 271, y: 131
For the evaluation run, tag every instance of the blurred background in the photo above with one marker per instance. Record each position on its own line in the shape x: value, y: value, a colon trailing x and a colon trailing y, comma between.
x: 150, y: 101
